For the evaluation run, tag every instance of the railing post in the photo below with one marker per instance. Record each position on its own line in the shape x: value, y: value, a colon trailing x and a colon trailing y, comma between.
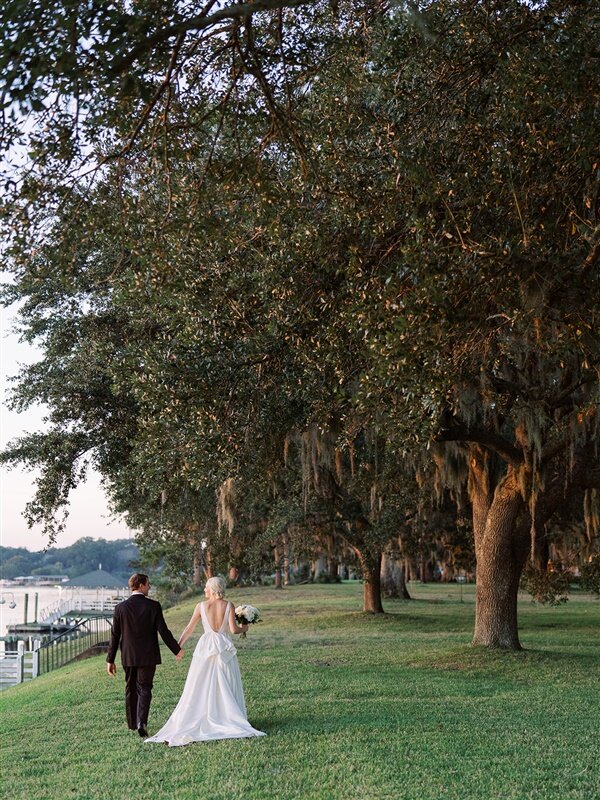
x: 20, y: 659
x: 35, y: 658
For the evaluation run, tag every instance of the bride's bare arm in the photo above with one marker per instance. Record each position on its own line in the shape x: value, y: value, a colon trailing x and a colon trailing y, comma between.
x: 189, y: 628
x: 233, y: 626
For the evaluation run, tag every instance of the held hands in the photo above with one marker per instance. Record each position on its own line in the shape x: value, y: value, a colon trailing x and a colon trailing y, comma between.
x: 179, y: 655
x: 111, y: 669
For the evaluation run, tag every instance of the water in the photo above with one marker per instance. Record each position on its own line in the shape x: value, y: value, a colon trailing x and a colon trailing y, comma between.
x: 47, y: 596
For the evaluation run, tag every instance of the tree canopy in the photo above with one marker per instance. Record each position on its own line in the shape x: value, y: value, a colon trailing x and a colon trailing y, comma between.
x: 340, y: 246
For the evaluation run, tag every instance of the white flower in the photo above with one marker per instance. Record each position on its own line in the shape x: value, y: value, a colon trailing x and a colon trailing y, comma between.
x: 246, y: 613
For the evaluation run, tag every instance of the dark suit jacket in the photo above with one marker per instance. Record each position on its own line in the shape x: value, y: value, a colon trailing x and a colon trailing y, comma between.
x: 137, y: 622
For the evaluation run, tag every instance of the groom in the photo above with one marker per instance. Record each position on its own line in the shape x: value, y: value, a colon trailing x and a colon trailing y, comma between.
x: 136, y: 622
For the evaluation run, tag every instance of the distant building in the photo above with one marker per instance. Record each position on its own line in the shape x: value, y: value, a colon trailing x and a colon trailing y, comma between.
x: 100, y: 578
x: 41, y: 580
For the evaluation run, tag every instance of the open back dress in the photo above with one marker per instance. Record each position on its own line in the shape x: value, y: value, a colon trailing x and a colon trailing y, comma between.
x: 212, y: 704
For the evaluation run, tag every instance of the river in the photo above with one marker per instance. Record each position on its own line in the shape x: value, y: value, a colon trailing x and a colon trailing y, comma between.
x: 47, y: 596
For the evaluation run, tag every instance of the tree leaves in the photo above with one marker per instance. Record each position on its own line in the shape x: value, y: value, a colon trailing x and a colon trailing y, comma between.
x: 380, y: 222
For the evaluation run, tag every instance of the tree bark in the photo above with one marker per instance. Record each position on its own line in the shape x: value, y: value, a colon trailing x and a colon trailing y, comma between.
x: 233, y: 574
x: 501, y: 554
x: 197, y: 577
x: 286, y: 558
x: 207, y: 565
x: 318, y: 567
x: 371, y: 575
x: 332, y: 558
x: 393, y: 583
x: 277, y: 559
x: 414, y: 570
x: 425, y: 570
x: 540, y: 554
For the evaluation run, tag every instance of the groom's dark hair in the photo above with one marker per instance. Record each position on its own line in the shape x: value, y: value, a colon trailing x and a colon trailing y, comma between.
x: 137, y: 579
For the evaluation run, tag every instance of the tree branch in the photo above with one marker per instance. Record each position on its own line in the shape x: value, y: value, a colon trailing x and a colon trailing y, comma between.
x: 493, y: 441
x: 553, y: 449
x: 201, y: 22
x: 592, y: 258
x: 154, y: 100
x: 560, y: 399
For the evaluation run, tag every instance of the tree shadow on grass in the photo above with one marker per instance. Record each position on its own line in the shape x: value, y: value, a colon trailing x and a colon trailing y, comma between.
x: 417, y: 622
x: 529, y: 664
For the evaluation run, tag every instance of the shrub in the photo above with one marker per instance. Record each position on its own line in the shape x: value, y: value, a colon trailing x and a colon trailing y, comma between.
x: 590, y: 575
x: 549, y: 587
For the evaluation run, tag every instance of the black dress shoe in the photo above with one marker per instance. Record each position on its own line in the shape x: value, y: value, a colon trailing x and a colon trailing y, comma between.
x: 142, y: 732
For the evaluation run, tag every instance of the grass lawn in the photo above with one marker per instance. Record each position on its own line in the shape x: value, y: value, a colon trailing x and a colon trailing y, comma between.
x: 396, y: 707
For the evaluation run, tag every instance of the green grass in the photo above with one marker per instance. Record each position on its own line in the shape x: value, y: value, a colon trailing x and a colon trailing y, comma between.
x: 398, y: 706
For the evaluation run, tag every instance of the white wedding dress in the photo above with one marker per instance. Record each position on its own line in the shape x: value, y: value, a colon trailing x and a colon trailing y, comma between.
x: 212, y: 704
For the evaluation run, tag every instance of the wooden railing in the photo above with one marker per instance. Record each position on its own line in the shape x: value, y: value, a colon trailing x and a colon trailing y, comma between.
x: 17, y: 666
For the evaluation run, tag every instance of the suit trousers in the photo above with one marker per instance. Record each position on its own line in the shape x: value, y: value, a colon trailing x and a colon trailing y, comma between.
x: 138, y: 694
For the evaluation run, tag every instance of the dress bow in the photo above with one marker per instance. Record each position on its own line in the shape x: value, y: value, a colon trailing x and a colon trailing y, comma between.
x: 219, y: 646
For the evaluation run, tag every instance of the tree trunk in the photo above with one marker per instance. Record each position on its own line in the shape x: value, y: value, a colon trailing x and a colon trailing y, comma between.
x: 501, y: 554
x: 301, y: 571
x: 278, y: 576
x: 197, y: 578
x: 207, y: 565
x: 286, y: 558
x: 413, y: 570
x: 233, y: 574
x: 502, y: 528
x: 332, y: 558
x: 319, y: 566
x: 426, y: 573
x: 392, y: 579
x: 540, y: 554
x: 371, y: 575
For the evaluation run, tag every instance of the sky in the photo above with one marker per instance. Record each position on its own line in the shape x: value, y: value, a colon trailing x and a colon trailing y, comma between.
x: 89, y: 514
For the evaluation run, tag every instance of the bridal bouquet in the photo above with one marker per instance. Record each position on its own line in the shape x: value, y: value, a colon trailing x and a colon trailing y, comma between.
x: 247, y: 615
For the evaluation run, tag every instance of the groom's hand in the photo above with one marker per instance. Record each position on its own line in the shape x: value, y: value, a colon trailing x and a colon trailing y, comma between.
x: 111, y: 669
x: 179, y: 655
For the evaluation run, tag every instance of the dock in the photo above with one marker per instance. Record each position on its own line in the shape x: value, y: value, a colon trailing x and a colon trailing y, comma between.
x: 66, y: 631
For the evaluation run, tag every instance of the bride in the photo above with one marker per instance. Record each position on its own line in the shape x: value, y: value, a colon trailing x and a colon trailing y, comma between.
x: 212, y: 704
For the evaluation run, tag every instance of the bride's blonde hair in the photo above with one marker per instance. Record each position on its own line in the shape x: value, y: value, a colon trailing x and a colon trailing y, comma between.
x: 216, y: 586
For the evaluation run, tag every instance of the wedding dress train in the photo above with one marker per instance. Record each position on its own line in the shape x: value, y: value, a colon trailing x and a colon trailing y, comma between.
x: 212, y: 704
